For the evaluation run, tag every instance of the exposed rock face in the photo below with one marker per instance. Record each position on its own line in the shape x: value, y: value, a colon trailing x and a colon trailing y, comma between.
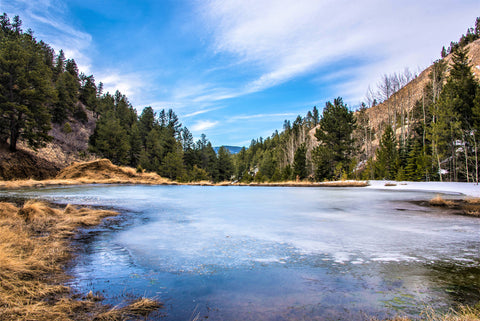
x: 403, y: 101
x: 66, y: 147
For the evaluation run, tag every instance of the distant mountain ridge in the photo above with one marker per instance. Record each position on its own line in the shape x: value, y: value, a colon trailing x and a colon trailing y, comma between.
x: 231, y: 149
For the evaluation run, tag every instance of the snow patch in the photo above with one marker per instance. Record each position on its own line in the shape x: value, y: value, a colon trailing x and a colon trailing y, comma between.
x: 467, y: 189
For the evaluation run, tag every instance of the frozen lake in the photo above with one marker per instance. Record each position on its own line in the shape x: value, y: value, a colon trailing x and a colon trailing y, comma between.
x: 274, y: 253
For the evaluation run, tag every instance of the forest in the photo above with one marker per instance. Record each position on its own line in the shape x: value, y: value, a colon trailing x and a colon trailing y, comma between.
x: 436, y: 141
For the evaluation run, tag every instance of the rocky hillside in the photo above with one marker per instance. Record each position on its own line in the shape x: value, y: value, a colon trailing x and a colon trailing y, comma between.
x: 403, y: 101
x: 69, y: 144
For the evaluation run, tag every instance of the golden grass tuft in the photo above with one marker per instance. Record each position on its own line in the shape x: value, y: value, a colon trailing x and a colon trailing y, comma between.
x: 143, y: 307
x: 463, y: 313
x: 103, y: 171
x: 313, y: 184
x: 390, y: 184
x: 440, y: 201
x: 139, y: 308
x: 468, y: 206
x: 472, y: 206
x: 33, y: 249
x: 94, y: 172
x: 471, y: 209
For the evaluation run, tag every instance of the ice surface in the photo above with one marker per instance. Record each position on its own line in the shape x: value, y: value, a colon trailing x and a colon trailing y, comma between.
x: 275, y: 253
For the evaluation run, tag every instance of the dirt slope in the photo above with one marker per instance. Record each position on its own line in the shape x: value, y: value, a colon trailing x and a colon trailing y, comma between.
x: 24, y: 165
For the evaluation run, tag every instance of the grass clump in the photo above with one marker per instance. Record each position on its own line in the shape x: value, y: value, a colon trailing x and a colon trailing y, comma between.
x: 440, y: 201
x: 34, y: 246
x: 468, y: 206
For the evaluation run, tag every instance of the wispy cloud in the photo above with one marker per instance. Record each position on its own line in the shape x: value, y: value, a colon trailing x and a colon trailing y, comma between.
x: 200, y: 112
x: 263, y: 116
x: 284, y: 39
x: 48, y: 19
x: 203, y: 125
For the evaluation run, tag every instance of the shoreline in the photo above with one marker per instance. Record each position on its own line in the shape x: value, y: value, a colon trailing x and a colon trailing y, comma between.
x: 87, y: 306
x: 35, y: 247
x: 454, y: 188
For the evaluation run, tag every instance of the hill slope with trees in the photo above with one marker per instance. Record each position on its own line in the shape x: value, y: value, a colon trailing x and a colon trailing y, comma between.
x: 411, y: 127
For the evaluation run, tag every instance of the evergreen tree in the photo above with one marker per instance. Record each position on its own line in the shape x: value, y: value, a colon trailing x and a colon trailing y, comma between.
x: 300, y: 163
x: 336, y: 144
x: 460, y: 90
x: 224, y: 165
x: 135, y: 142
x: 88, y: 92
x: 146, y: 123
x: 172, y: 164
x: 110, y: 140
x: 387, y: 156
x: 59, y: 65
x: 25, y: 88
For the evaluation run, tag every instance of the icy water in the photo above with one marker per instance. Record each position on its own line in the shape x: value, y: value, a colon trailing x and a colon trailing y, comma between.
x: 273, y: 253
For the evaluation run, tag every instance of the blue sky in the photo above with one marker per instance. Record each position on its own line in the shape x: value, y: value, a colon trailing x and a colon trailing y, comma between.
x: 235, y: 70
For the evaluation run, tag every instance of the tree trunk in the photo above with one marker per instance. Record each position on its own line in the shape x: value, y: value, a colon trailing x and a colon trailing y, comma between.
x: 14, y: 132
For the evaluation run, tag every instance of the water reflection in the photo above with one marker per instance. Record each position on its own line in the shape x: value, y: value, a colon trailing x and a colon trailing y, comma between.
x: 274, y: 253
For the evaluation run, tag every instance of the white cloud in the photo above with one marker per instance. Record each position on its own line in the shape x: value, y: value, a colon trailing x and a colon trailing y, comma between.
x: 200, y: 112
x: 47, y: 19
x: 128, y: 84
x: 256, y: 116
x: 284, y: 39
x: 202, y: 125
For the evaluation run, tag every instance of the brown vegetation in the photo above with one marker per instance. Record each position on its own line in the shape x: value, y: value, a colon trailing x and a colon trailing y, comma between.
x: 33, y: 249
x: 313, y: 184
x: 103, y: 170
x: 94, y: 172
x: 468, y: 206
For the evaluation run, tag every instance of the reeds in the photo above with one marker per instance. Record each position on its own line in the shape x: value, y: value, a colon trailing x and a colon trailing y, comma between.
x: 440, y: 201
x: 33, y: 249
x: 468, y: 206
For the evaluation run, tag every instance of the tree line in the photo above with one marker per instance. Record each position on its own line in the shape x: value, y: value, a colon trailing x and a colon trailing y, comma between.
x: 39, y: 88
x: 437, y: 140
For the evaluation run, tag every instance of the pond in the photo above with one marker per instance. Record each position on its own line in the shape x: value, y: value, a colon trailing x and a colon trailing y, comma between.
x: 273, y: 253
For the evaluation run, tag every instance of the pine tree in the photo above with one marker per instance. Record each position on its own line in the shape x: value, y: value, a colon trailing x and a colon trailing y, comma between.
x: 25, y: 89
x: 387, y: 155
x: 135, y: 142
x: 461, y: 86
x: 224, y: 165
x: 336, y: 144
x: 300, y: 163
x: 110, y: 140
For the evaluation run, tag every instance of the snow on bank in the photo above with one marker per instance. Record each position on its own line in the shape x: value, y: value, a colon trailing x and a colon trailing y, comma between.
x: 467, y: 189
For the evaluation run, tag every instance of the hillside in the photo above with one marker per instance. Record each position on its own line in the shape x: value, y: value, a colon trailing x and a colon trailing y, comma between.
x: 405, y: 99
x: 67, y: 146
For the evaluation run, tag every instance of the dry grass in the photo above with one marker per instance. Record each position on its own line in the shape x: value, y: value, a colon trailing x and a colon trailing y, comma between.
x: 139, y: 308
x: 462, y: 314
x: 440, y: 201
x: 390, y: 184
x: 468, y: 206
x: 472, y: 206
x: 94, y: 172
x: 33, y: 249
x: 313, y: 184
